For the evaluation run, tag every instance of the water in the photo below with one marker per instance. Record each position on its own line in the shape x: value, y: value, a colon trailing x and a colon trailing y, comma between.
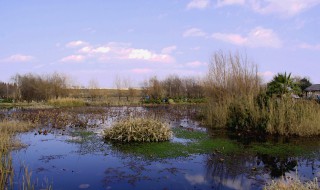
x: 58, y: 160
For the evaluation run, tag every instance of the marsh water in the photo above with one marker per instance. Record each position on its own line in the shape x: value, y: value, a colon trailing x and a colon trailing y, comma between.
x: 76, y: 156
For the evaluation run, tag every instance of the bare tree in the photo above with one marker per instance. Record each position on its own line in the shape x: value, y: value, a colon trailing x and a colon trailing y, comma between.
x: 119, y: 84
x: 94, y: 91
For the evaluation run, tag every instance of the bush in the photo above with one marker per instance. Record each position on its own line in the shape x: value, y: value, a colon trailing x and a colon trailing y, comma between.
x: 138, y: 130
x: 246, y: 116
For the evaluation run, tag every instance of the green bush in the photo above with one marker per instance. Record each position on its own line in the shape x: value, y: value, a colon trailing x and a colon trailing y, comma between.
x: 138, y: 130
x: 246, y: 116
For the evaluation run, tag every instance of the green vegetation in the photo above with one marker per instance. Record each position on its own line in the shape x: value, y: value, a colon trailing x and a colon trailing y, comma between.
x: 197, y: 142
x: 278, y: 149
x: 282, y: 84
x: 138, y: 130
x: 237, y: 101
x: 81, y: 136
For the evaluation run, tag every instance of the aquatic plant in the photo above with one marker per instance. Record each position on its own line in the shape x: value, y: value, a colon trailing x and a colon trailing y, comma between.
x: 138, y: 130
x: 292, y: 184
x: 7, y: 143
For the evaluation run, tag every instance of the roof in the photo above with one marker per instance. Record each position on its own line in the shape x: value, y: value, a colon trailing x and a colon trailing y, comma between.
x: 312, y: 88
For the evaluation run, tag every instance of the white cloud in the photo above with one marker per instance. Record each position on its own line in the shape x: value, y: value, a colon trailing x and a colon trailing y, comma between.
x: 144, y: 54
x: 266, y: 76
x: 195, y: 64
x: 198, y: 4
x: 230, y: 38
x: 258, y: 37
x: 141, y: 70
x: 73, y: 58
x: 18, y: 58
x: 285, y: 8
x: 91, y: 50
x: 168, y: 50
x: 309, y: 46
x: 195, y: 179
x: 194, y: 32
x: 122, y: 51
x: 75, y: 44
x: 221, y: 3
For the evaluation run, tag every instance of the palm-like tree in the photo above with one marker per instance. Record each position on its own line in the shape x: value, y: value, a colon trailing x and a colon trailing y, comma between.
x: 281, y: 84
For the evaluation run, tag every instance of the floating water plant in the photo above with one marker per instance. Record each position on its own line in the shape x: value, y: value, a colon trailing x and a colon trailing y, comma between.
x: 138, y: 130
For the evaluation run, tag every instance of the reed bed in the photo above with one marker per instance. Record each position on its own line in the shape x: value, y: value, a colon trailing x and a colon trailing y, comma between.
x: 7, y: 142
x: 230, y: 79
x: 138, y: 130
x: 238, y: 101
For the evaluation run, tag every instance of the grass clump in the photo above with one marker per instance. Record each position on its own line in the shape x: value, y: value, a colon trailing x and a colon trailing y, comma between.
x: 67, y: 102
x: 138, y: 130
x: 292, y: 184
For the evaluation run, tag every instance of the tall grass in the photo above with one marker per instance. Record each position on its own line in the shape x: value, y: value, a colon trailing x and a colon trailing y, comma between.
x: 238, y: 101
x: 294, y: 117
x: 231, y: 78
x: 7, y: 142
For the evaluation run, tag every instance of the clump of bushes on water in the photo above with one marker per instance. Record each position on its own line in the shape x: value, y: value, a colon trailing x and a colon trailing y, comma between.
x: 138, y: 130
x: 238, y: 101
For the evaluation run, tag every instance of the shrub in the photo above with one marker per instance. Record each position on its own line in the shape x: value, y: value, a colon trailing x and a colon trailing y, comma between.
x: 138, y: 130
x: 245, y: 115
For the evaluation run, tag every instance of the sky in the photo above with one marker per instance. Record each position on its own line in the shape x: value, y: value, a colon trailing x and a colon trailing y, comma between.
x: 101, y: 40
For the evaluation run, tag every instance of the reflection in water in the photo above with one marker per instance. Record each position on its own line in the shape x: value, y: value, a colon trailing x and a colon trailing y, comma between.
x: 278, y: 166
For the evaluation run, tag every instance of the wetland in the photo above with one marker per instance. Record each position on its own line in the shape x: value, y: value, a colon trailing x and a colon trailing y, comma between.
x: 67, y: 150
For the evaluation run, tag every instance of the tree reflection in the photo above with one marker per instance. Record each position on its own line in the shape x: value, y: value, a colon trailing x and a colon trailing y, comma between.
x: 278, y: 166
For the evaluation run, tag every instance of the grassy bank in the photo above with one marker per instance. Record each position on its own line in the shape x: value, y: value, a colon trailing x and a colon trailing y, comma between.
x: 7, y: 142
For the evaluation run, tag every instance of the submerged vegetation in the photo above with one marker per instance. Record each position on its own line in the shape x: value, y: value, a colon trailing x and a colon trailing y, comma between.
x: 138, y: 130
x: 193, y: 142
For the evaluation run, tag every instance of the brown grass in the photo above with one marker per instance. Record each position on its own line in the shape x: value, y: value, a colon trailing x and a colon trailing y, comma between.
x: 7, y: 142
x: 138, y: 130
x: 292, y: 184
x: 230, y: 77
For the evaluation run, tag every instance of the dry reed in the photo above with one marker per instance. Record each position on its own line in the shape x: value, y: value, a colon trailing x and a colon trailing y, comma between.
x: 138, y: 130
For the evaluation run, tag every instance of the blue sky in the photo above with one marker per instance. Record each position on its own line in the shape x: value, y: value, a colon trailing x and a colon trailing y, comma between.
x: 135, y: 39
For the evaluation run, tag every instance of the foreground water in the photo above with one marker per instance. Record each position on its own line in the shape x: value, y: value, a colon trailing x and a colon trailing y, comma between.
x: 78, y: 159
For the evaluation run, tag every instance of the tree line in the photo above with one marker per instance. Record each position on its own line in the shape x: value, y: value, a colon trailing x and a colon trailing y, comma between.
x: 33, y: 87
